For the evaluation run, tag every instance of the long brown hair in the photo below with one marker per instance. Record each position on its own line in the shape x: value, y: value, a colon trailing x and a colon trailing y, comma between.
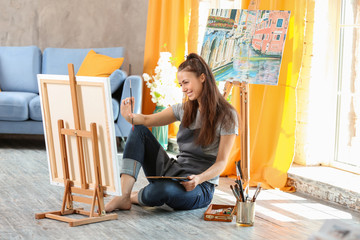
x: 214, y: 110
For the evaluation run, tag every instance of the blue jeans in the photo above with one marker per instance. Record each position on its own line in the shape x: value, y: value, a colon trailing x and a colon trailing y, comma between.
x: 142, y: 149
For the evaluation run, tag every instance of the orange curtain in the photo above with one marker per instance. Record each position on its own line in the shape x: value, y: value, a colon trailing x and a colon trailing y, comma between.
x: 272, y: 111
x: 167, y: 30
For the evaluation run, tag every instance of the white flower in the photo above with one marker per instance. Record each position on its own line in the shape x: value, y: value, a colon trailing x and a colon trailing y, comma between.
x: 146, y: 77
x: 164, y: 90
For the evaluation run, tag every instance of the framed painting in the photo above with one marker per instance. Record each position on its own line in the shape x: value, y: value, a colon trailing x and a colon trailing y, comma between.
x: 95, y: 106
x: 245, y: 45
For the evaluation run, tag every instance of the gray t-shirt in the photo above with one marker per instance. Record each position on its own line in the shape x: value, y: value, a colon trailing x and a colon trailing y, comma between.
x: 193, y: 158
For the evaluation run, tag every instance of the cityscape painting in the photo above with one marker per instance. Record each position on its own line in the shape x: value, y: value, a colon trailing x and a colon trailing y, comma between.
x: 244, y: 45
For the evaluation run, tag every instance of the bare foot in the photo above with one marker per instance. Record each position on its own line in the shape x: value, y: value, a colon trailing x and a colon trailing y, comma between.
x: 118, y: 202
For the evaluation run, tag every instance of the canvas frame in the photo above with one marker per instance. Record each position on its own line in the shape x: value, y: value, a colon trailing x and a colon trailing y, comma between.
x: 95, y: 105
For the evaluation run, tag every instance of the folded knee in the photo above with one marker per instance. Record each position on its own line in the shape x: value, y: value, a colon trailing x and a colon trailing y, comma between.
x: 161, y: 192
x: 166, y: 188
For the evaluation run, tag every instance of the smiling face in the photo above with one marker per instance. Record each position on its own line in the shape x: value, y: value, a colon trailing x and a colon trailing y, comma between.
x: 190, y: 84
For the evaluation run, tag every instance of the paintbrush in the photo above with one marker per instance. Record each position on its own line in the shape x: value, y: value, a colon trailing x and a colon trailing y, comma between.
x: 131, y: 101
x: 237, y: 191
x: 235, y: 194
x: 238, y: 168
x: 240, y: 190
x: 257, y: 191
x: 238, y: 176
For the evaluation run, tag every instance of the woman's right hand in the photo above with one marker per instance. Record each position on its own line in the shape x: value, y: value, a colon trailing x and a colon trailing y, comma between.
x: 150, y: 120
x: 126, y: 110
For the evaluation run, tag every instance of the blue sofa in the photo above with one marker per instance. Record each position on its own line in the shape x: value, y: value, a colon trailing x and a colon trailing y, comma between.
x: 20, y: 111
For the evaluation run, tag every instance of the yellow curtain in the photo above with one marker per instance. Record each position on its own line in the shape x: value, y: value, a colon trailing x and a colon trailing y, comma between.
x: 273, y: 108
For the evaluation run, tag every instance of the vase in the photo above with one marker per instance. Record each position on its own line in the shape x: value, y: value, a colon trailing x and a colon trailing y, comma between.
x: 161, y: 133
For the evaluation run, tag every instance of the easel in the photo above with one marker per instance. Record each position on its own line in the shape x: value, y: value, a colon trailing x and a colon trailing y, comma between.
x: 97, y: 194
x: 244, y: 118
x: 244, y: 128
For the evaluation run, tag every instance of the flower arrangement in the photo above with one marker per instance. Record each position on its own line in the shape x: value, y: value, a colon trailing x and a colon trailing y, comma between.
x: 164, y: 89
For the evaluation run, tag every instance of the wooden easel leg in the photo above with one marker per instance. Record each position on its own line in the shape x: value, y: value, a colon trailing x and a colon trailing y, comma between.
x: 63, y: 150
x: 245, y: 159
x: 78, y: 222
x: 93, y: 202
x: 67, y: 199
x: 67, y: 193
x: 99, y: 193
x: 66, y: 212
x: 101, y: 204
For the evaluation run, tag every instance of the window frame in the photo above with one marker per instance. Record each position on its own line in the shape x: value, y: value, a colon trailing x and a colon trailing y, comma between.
x: 341, y: 26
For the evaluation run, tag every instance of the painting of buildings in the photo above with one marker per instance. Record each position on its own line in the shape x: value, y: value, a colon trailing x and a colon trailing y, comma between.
x: 243, y: 45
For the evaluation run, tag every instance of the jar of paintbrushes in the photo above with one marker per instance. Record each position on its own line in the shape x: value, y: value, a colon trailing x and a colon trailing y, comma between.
x: 245, y: 205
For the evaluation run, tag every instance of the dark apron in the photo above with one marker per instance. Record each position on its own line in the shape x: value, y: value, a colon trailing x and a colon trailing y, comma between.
x: 191, y: 159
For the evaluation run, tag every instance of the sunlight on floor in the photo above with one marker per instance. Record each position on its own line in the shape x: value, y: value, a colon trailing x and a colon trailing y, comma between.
x: 314, y: 211
x: 273, y: 214
x: 278, y: 195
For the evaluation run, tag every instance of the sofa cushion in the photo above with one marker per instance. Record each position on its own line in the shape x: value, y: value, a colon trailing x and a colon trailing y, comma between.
x: 56, y: 60
x: 35, y: 109
x: 116, y: 79
x: 98, y: 65
x: 14, y: 106
x: 19, y: 67
x: 116, y: 109
x: 22, y: 127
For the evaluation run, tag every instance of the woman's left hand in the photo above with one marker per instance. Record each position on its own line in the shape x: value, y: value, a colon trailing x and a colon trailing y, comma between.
x: 190, y: 185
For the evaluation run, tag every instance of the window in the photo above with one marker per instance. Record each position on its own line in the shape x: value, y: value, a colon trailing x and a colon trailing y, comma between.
x: 347, y: 142
x: 279, y: 23
x: 276, y: 37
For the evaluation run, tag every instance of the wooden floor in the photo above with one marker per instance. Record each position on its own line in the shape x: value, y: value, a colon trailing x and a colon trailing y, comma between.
x: 25, y: 190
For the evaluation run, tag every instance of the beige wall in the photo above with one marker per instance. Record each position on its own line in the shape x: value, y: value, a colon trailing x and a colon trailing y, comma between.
x: 77, y: 24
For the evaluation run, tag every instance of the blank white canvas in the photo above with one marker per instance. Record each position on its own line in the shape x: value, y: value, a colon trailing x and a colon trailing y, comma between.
x: 94, y: 103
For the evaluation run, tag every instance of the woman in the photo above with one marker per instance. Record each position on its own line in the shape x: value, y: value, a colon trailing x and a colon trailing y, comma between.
x: 206, y: 135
